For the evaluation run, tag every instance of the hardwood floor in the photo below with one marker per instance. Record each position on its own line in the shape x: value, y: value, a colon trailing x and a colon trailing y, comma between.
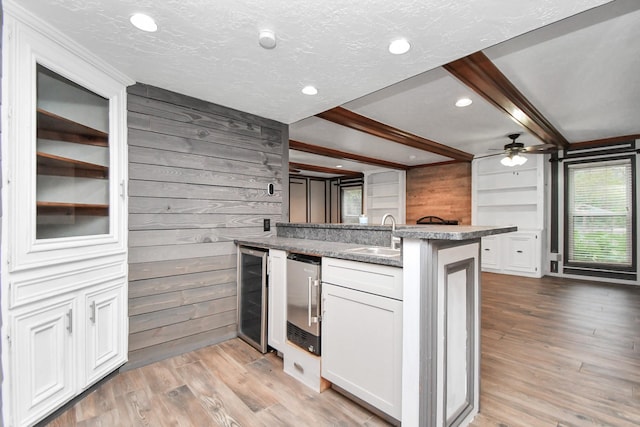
x: 559, y: 353
x: 554, y: 353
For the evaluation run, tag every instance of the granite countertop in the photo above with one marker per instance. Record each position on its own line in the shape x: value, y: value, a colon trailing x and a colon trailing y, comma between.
x: 450, y: 232
x: 343, y: 250
x: 321, y: 248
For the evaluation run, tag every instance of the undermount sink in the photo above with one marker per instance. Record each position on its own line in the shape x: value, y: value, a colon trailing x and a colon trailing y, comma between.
x: 376, y: 250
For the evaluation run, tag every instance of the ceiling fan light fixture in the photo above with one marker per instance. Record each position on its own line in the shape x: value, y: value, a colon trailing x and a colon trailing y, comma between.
x: 507, y: 161
x: 518, y: 160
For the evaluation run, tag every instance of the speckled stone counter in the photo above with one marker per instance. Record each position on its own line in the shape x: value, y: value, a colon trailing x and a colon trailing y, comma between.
x: 336, y: 240
x: 321, y: 248
x: 361, y: 234
x: 449, y: 232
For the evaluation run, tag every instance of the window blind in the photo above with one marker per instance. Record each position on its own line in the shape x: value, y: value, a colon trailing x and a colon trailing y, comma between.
x: 600, y: 213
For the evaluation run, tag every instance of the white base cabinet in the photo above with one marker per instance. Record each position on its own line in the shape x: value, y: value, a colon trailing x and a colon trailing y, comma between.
x: 44, y: 356
x: 106, y: 330
x: 517, y: 253
x: 362, y: 333
x: 54, y: 339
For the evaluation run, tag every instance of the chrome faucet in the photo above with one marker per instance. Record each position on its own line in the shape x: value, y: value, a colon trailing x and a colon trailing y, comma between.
x: 393, y: 221
x: 395, y: 242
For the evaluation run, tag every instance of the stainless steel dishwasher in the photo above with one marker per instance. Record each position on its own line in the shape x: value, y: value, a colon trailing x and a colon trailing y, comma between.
x: 303, y: 301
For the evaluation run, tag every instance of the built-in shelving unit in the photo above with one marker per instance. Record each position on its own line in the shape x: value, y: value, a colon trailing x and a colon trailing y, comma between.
x: 385, y: 193
x: 55, y: 128
x: 505, y: 195
x: 64, y: 250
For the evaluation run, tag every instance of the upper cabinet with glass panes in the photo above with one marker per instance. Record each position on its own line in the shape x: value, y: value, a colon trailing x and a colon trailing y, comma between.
x: 72, y: 182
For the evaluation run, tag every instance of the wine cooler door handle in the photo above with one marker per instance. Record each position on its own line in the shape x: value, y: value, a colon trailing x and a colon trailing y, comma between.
x: 309, y: 301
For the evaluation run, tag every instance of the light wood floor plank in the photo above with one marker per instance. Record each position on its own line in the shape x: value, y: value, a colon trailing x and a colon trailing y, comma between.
x: 555, y: 353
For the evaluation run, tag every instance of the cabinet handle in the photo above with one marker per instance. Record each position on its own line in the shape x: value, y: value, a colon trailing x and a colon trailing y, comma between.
x: 519, y: 252
x: 318, y: 317
x: 93, y: 312
x: 298, y: 367
x: 70, y: 318
x: 487, y: 249
x: 309, y: 302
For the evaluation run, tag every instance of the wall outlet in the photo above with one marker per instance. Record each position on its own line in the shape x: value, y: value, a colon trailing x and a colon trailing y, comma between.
x: 266, y: 224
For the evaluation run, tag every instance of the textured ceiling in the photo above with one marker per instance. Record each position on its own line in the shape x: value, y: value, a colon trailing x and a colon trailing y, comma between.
x: 580, y: 73
x: 209, y: 49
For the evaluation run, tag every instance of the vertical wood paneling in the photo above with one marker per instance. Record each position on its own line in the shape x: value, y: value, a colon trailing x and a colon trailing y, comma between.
x: 198, y: 175
x: 443, y: 191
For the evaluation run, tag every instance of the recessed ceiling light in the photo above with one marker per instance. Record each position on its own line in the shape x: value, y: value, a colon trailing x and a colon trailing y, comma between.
x: 267, y: 39
x: 463, y: 102
x: 309, y: 90
x: 144, y: 22
x: 338, y: 166
x: 399, y: 46
x: 412, y: 157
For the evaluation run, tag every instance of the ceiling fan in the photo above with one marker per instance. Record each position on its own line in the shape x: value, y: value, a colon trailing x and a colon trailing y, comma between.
x: 513, y: 151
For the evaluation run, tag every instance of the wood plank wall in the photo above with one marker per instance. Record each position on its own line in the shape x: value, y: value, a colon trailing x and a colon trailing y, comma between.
x: 443, y: 191
x: 198, y: 176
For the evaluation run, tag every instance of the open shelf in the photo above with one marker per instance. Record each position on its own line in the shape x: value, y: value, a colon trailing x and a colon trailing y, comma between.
x: 58, y: 208
x: 52, y: 126
x: 50, y: 164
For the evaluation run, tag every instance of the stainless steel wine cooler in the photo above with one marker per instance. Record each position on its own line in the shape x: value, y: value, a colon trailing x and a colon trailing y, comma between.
x: 252, y: 296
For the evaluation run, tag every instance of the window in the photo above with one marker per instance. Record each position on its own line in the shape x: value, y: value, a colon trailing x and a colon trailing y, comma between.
x: 600, y: 217
x: 351, y: 204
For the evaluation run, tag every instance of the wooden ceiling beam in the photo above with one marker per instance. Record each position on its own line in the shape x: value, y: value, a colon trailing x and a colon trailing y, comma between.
x: 603, y: 142
x: 480, y: 74
x: 296, y: 167
x: 342, y: 155
x: 347, y: 118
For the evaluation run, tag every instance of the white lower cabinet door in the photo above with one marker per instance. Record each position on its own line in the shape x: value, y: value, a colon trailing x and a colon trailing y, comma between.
x: 44, y: 356
x: 106, y: 330
x: 362, y: 346
x: 491, y: 252
x: 277, y: 313
x: 522, y: 252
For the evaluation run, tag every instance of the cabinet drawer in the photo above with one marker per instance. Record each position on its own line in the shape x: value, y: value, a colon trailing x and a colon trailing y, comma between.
x: 303, y: 366
x: 372, y: 278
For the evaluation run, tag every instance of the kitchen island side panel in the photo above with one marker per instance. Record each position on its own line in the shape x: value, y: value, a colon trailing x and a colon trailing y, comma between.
x: 198, y: 177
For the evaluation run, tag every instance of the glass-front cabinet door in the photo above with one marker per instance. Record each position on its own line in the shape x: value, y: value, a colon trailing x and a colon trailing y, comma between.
x: 72, y: 157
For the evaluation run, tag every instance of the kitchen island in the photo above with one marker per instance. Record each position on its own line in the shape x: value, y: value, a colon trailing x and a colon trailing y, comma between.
x: 440, y: 309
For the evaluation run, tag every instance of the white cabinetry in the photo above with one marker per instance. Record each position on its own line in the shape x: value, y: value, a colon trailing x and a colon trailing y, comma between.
x: 510, y: 196
x: 64, y: 219
x: 515, y: 253
x: 277, y: 313
x: 43, y: 353
x: 362, y: 331
x: 106, y: 330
